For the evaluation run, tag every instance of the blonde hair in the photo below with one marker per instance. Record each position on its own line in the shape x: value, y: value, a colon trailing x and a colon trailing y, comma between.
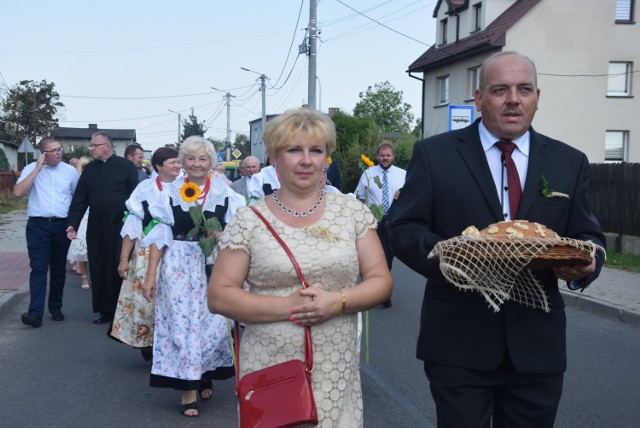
x: 280, y: 131
x: 82, y: 162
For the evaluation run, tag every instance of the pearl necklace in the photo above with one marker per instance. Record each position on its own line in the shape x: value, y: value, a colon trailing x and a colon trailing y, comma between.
x: 276, y: 200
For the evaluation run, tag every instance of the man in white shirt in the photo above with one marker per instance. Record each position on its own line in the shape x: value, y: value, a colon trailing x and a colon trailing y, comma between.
x: 392, y: 180
x: 250, y: 166
x: 50, y: 184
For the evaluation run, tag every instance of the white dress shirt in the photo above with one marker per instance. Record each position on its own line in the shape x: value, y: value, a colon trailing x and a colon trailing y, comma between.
x: 395, y: 180
x: 520, y: 157
x: 52, y: 190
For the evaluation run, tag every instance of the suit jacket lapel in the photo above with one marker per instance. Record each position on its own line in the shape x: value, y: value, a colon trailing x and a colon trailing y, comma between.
x: 538, y: 155
x: 470, y: 149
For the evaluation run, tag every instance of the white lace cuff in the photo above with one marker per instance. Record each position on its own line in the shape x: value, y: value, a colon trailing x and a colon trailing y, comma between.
x: 132, y: 227
x: 161, y: 235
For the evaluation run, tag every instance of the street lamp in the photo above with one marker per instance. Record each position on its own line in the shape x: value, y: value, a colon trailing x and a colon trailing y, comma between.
x: 179, y: 122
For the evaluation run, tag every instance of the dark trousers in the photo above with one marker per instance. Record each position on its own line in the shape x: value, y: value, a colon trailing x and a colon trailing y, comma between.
x: 384, y: 240
x: 47, y: 245
x: 495, y: 398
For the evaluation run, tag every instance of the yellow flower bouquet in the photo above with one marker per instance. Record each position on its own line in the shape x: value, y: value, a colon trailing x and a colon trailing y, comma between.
x: 205, y: 227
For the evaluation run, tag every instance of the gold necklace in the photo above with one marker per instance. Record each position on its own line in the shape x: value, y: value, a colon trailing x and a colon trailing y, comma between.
x: 276, y: 200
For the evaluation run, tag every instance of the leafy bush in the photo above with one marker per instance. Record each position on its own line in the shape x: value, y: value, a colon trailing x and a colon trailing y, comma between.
x: 4, y: 162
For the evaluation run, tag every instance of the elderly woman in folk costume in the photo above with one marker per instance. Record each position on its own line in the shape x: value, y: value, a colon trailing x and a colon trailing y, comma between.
x: 191, y: 345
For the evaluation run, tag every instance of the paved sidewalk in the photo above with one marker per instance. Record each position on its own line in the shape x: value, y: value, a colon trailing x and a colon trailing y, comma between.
x: 615, y: 293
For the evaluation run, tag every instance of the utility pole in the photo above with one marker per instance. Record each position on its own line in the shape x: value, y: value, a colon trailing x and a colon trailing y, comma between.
x: 179, y: 123
x: 263, y: 78
x: 313, y: 52
x: 227, y: 144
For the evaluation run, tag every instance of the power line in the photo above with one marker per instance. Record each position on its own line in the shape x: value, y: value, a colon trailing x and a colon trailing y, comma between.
x: 136, y: 98
x: 295, y: 30
x: 382, y: 25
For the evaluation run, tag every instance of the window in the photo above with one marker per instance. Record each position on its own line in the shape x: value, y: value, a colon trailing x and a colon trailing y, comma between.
x: 473, y: 81
x: 443, y: 90
x: 619, y: 80
x: 443, y: 31
x: 625, y: 10
x: 615, y: 146
x: 477, y: 17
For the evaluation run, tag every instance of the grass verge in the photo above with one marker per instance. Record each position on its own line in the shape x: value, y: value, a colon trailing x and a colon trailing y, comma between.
x: 628, y: 262
x: 8, y: 202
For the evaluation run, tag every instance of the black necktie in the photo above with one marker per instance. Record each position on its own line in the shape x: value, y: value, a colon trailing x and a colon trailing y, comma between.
x: 513, y: 179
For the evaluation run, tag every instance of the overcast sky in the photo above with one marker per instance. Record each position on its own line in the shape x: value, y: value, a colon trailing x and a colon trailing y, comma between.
x: 124, y: 64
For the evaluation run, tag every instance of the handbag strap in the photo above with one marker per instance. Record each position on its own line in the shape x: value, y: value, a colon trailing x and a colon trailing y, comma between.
x: 308, y: 348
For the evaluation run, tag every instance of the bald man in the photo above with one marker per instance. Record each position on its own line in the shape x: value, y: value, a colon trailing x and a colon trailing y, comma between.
x: 249, y: 166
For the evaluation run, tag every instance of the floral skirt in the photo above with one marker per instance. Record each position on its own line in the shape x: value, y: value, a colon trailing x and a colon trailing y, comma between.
x: 134, y: 317
x: 189, y: 341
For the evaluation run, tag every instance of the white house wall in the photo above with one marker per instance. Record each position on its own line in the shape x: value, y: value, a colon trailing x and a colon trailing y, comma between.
x: 580, y: 40
x: 565, y: 39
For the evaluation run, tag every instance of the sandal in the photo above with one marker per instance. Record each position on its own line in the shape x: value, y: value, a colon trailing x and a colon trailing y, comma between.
x: 190, y: 406
x: 206, y: 386
x: 85, y: 282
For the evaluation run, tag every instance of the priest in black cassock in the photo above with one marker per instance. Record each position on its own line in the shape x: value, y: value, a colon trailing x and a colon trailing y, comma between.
x: 104, y: 186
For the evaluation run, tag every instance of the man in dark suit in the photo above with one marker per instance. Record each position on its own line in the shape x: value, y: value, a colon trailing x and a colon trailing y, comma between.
x: 249, y: 166
x: 485, y: 367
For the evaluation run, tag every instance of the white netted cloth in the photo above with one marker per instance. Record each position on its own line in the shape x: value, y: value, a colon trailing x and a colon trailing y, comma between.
x: 498, y: 268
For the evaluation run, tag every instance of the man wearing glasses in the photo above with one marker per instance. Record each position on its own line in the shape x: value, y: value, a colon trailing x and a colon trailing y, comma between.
x: 105, y: 184
x: 49, y: 184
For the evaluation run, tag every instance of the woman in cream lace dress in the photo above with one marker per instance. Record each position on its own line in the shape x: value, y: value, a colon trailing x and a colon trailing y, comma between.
x: 333, y: 239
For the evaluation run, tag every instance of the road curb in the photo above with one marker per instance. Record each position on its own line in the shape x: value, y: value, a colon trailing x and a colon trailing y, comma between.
x: 10, y: 298
x: 601, y: 307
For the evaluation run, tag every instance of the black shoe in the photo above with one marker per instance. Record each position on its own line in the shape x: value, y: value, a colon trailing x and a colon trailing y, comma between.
x: 31, y: 320
x: 147, y: 353
x: 103, y: 318
x: 57, y: 316
x: 387, y: 304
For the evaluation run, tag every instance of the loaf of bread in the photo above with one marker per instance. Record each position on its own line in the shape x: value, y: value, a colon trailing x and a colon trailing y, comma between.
x: 514, y: 229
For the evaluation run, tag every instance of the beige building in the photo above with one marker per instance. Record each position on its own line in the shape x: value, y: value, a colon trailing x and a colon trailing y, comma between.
x: 587, y: 57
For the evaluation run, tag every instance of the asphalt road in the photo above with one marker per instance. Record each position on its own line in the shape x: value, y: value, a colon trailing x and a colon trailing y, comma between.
x: 69, y: 374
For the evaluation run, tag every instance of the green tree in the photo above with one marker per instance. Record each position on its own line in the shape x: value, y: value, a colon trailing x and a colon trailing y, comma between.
x: 384, y: 104
x: 4, y: 162
x: 243, y: 144
x: 78, y: 153
x: 355, y: 136
x: 191, y: 126
x: 218, y: 145
x: 29, y: 110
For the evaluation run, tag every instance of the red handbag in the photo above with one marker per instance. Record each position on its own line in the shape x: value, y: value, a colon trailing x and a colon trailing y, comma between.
x: 280, y: 395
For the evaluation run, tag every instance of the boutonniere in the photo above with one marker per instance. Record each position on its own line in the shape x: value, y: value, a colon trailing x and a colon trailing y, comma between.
x: 547, y: 191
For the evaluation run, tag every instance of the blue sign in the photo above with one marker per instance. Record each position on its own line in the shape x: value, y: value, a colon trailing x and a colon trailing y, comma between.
x: 220, y: 156
x: 460, y: 116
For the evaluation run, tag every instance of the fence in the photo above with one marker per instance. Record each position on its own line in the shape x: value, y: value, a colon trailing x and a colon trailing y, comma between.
x: 7, y: 180
x: 615, y: 197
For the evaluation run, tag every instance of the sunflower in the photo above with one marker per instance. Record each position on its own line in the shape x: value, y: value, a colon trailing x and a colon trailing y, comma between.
x: 366, y: 160
x: 329, y: 160
x: 189, y: 192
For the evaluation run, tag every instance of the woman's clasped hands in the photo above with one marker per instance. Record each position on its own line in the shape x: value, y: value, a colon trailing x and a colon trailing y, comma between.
x: 314, y: 305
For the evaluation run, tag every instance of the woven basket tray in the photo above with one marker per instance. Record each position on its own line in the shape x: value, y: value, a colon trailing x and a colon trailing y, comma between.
x: 555, y: 255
